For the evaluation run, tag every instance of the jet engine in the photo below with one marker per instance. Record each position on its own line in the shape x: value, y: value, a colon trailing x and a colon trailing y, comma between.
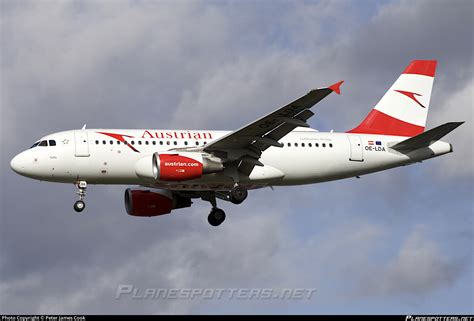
x: 176, y: 166
x: 183, y: 166
x: 153, y: 202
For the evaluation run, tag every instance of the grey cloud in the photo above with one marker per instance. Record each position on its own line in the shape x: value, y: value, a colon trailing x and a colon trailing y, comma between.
x: 199, y: 257
x: 418, y: 268
x: 402, y: 31
x: 458, y: 107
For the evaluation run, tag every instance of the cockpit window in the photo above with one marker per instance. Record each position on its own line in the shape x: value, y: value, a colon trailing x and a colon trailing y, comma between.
x: 44, y: 143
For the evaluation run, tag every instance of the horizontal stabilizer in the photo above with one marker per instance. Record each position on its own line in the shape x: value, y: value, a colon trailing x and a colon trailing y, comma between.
x: 427, y: 138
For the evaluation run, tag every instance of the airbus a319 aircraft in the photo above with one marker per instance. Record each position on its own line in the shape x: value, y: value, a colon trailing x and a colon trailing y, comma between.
x: 173, y: 167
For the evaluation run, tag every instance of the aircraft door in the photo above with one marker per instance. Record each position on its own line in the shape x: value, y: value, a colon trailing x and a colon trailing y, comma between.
x: 82, y: 143
x: 357, y: 152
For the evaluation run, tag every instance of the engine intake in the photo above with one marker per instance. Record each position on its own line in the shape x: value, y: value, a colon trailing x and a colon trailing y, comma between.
x: 141, y: 202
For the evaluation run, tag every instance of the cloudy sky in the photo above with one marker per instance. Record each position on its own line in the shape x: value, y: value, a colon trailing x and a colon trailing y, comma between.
x: 399, y: 241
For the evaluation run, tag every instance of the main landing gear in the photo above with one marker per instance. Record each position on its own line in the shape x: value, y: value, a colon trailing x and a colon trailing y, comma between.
x: 236, y: 195
x: 216, y: 217
x: 80, y: 205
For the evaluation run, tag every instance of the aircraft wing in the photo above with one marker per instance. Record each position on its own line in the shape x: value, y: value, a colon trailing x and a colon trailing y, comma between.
x: 246, y: 144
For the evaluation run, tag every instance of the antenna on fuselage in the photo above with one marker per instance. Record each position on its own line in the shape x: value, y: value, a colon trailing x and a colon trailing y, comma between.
x: 84, y: 127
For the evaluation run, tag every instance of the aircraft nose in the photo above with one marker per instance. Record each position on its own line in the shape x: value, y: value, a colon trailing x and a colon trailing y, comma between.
x: 18, y: 164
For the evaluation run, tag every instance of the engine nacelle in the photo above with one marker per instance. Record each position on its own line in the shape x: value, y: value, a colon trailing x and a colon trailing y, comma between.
x: 142, y: 202
x: 183, y: 166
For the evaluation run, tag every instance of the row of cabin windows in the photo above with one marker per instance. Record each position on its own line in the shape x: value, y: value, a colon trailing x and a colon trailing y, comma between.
x: 43, y: 143
x: 310, y: 145
x: 139, y: 142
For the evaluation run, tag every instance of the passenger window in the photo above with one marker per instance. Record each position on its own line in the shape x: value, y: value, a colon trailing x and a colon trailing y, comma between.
x: 97, y: 142
x: 118, y: 142
x: 146, y: 142
x: 168, y: 142
x: 289, y: 144
x: 43, y: 143
x: 111, y: 142
x: 302, y: 144
x: 104, y: 142
x: 139, y: 142
x: 154, y: 142
x: 161, y: 142
x: 316, y: 145
x: 133, y: 142
x: 330, y: 145
x: 296, y: 144
x: 324, y: 144
x: 309, y: 144
x: 186, y: 143
x: 175, y: 142
x: 205, y: 143
x: 52, y: 142
x: 197, y: 143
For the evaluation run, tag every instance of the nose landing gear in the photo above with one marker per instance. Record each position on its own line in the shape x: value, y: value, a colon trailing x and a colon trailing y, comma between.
x: 80, y: 205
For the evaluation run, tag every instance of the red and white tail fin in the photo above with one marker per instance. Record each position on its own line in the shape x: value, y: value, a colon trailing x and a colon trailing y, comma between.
x: 403, y: 109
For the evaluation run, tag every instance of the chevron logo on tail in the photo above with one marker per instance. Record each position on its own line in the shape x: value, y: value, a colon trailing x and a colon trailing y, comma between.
x: 411, y: 95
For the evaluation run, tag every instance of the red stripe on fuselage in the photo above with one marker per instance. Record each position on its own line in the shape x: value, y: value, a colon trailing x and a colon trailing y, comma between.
x: 120, y: 138
x: 379, y: 123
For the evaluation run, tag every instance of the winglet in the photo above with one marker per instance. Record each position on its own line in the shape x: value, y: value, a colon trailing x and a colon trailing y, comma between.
x: 336, y: 87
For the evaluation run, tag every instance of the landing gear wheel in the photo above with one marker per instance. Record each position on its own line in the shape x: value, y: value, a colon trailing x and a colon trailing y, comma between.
x: 216, y: 217
x: 79, y: 206
x: 238, y: 194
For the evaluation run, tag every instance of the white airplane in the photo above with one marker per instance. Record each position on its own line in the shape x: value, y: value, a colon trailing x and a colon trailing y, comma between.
x: 175, y: 166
